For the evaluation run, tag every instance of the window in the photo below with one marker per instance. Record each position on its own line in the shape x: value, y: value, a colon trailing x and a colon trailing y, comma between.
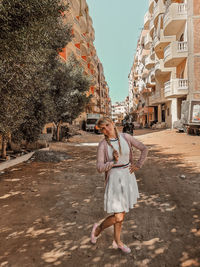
x: 49, y: 130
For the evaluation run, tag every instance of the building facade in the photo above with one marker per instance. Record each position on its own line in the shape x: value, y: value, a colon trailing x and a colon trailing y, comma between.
x: 119, y: 111
x: 166, y: 65
x: 82, y: 45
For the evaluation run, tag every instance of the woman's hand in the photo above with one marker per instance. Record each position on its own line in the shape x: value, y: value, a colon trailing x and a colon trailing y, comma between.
x: 115, y: 156
x: 133, y: 168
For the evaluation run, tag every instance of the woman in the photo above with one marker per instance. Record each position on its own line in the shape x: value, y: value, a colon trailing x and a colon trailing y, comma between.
x: 114, y: 157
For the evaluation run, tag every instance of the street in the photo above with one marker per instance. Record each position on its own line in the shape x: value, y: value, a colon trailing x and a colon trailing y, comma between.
x: 48, y: 208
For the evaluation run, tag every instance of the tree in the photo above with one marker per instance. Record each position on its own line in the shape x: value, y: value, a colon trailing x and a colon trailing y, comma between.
x: 40, y: 110
x: 32, y: 34
x: 69, y: 88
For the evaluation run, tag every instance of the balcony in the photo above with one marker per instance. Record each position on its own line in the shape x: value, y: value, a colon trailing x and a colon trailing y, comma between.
x: 147, y: 18
x: 145, y: 73
x: 145, y: 91
x: 149, y: 82
x: 151, y: 3
x: 160, y: 70
x: 158, y: 9
x: 152, y: 53
x: 176, y: 88
x: 155, y: 98
x: 161, y: 42
x: 151, y: 27
x: 136, y: 76
x: 84, y: 48
x: 152, y: 75
x: 175, y: 18
x: 144, y: 54
x: 143, y: 34
x: 149, y: 63
x: 75, y: 6
x: 147, y: 41
x: 175, y: 53
x: 83, y: 23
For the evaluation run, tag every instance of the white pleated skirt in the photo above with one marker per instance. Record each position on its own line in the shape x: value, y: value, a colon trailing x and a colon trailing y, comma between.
x: 121, y: 192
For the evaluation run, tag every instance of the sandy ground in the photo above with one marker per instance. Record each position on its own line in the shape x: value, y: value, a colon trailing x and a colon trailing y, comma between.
x: 48, y: 209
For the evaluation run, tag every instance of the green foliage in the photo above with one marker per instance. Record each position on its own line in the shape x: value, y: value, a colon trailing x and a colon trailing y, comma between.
x: 32, y: 33
x: 35, y: 86
x: 69, y: 88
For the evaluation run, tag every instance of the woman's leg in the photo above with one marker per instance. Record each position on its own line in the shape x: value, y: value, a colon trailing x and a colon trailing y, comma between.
x: 105, y: 224
x: 119, y: 217
x: 109, y: 221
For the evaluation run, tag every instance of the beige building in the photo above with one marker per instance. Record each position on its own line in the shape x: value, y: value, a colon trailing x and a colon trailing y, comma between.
x: 166, y: 67
x: 82, y: 45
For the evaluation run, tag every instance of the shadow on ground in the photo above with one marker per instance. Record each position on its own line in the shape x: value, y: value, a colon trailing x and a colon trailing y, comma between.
x: 48, y: 210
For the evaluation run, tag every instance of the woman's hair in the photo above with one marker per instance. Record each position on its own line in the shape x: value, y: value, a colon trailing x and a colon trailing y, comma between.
x: 105, y: 120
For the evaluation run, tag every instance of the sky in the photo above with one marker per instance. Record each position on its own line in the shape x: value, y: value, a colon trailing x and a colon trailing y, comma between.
x: 117, y: 25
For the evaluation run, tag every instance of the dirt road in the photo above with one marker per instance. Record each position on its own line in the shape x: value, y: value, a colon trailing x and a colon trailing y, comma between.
x: 48, y: 209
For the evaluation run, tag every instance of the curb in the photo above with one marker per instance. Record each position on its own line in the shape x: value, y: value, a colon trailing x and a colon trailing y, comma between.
x: 13, y: 162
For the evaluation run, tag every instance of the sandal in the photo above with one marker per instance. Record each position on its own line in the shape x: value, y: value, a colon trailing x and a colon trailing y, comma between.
x: 123, y: 248
x: 93, y: 238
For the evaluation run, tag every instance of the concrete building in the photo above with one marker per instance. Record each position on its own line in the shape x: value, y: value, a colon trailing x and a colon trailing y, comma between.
x: 82, y: 45
x: 119, y: 111
x: 166, y: 67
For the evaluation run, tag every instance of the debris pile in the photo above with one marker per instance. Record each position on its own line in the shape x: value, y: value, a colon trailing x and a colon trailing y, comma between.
x: 50, y: 156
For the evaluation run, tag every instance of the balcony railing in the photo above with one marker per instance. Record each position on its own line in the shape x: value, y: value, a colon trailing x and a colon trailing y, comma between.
x: 152, y: 74
x: 176, y: 87
x: 147, y: 41
x: 157, y: 66
x: 167, y: 87
x: 151, y: 24
x: 146, y: 17
x: 159, y: 8
x: 181, y: 47
x: 183, y: 84
x: 149, y: 63
x: 155, y: 9
x: 167, y: 51
x: 155, y: 96
x: 180, y: 9
x: 155, y: 39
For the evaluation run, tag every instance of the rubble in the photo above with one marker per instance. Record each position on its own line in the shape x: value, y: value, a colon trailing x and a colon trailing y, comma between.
x: 159, y: 125
x: 50, y: 156
x: 179, y: 125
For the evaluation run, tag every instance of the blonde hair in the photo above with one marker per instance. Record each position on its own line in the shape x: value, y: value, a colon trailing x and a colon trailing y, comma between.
x: 104, y: 120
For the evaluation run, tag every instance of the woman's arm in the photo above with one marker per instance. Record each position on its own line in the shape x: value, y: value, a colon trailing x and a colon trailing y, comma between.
x: 139, y: 145
x: 101, y: 165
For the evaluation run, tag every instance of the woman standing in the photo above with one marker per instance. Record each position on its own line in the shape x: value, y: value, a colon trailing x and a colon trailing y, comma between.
x: 114, y: 157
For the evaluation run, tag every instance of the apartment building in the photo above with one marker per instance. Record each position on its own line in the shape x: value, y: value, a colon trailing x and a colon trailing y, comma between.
x: 119, y: 111
x: 104, y: 102
x: 166, y: 67
x: 82, y: 45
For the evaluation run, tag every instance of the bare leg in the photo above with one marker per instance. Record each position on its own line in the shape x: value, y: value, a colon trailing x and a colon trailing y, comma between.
x: 115, y: 220
x: 117, y: 227
x: 111, y: 220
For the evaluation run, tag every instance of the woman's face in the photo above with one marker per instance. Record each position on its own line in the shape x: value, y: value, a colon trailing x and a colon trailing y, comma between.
x: 107, y: 128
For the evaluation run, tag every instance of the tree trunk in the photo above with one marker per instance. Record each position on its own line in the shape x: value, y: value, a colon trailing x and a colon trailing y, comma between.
x: 58, y: 131
x: 4, y: 145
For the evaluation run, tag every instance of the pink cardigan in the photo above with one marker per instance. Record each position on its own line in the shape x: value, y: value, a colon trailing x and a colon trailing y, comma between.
x: 103, y: 163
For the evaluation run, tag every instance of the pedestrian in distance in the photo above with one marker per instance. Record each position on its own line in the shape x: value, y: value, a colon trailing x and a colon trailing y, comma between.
x: 115, y: 158
x: 126, y: 128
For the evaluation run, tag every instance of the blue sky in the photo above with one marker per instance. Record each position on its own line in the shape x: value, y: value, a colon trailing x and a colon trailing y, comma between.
x: 117, y: 25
